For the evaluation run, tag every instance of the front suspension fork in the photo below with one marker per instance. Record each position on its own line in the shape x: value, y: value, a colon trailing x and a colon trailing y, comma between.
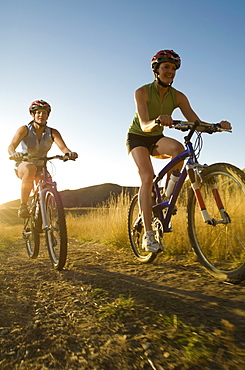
x: 195, y: 180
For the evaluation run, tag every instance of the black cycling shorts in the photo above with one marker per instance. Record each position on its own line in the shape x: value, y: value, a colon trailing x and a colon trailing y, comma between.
x: 148, y: 142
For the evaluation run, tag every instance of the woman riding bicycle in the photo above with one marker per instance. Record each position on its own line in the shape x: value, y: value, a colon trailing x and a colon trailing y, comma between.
x: 36, y: 139
x: 155, y: 103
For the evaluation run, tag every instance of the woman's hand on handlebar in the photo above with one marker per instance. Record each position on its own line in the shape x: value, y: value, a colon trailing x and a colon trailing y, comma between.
x: 17, y: 156
x: 71, y: 155
x: 226, y: 125
x: 164, y: 120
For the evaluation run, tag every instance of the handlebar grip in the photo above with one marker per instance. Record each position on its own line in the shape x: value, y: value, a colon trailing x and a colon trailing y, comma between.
x: 175, y: 121
x: 212, y: 129
x: 13, y: 158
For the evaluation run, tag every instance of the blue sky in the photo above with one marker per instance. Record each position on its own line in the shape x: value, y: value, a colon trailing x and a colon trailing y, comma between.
x: 86, y: 58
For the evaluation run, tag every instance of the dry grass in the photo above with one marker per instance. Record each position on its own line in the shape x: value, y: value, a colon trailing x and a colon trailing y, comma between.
x: 108, y: 225
x: 9, y: 234
x: 177, y: 242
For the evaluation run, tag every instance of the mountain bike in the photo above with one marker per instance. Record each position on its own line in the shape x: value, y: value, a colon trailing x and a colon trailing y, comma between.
x: 215, y: 209
x: 46, y: 215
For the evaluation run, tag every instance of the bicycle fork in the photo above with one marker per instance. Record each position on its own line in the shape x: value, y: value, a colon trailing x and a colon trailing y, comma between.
x: 42, y: 194
x: 195, y: 178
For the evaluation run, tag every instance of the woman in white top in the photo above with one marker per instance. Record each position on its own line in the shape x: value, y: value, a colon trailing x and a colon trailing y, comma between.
x: 36, y: 139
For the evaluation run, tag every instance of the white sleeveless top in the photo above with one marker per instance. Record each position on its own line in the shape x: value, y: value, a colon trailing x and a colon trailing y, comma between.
x: 31, y: 145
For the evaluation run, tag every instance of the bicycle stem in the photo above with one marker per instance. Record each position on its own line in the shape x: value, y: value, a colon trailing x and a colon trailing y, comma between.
x: 191, y: 132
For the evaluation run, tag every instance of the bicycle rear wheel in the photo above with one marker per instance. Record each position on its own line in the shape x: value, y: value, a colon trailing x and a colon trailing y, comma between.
x: 56, y: 234
x: 30, y: 234
x: 220, y: 246
x: 136, y: 231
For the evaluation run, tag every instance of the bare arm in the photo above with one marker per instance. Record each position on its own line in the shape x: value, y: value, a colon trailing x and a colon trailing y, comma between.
x: 18, y: 137
x: 185, y: 107
x: 189, y: 113
x: 59, y: 141
x: 142, y: 110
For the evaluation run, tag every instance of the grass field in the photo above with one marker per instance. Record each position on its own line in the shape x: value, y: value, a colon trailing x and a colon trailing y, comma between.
x: 107, y: 224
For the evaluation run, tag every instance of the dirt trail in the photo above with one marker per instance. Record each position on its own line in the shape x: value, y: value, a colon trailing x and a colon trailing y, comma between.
x: 71, y: 319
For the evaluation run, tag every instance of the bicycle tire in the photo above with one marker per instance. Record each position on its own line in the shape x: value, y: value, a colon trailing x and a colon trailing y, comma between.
x: 56, y: 233
x: 220, y: 248
x: 30, y: 233
x: 136, y: 231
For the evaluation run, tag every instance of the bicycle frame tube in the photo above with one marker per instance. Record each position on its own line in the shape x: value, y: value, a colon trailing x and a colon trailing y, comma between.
x: 169, y: 205
x: 174, y: 197
x: 188, y: 153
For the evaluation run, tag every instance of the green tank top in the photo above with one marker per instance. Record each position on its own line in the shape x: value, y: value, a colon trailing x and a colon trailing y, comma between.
x: 155, y: 109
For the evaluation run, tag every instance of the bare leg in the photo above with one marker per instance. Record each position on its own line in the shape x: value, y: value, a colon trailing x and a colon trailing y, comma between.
x: 26, y: 172
x: 165, y: 148
x: 142, y: 159
x: 168, y: 148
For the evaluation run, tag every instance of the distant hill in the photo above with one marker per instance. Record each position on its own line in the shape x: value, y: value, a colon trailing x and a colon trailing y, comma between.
x: 93, y: 195
x: 85, y: 197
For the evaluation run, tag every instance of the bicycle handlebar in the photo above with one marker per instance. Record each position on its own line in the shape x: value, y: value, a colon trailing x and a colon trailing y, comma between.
x: 186, y: 125
x: 28, y: 158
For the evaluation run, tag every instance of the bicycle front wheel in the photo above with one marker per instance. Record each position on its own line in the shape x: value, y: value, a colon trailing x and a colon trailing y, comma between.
x: 136, y: 231
x: 220, y: 244
x: 31, y: 235
x: 56, y: 234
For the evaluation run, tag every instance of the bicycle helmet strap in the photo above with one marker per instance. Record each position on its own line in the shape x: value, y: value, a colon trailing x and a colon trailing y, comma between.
x: 162, y: 83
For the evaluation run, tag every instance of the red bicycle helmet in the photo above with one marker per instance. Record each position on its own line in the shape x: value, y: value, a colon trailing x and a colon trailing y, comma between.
x: 165, y: 56
x: 37, y: 104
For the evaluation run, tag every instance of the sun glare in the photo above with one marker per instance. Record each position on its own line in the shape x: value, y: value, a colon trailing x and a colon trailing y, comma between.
x: 9, y: 193
x: 10, y: 184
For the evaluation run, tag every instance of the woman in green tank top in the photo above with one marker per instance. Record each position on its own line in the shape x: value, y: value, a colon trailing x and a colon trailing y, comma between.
x: 156, y: 102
